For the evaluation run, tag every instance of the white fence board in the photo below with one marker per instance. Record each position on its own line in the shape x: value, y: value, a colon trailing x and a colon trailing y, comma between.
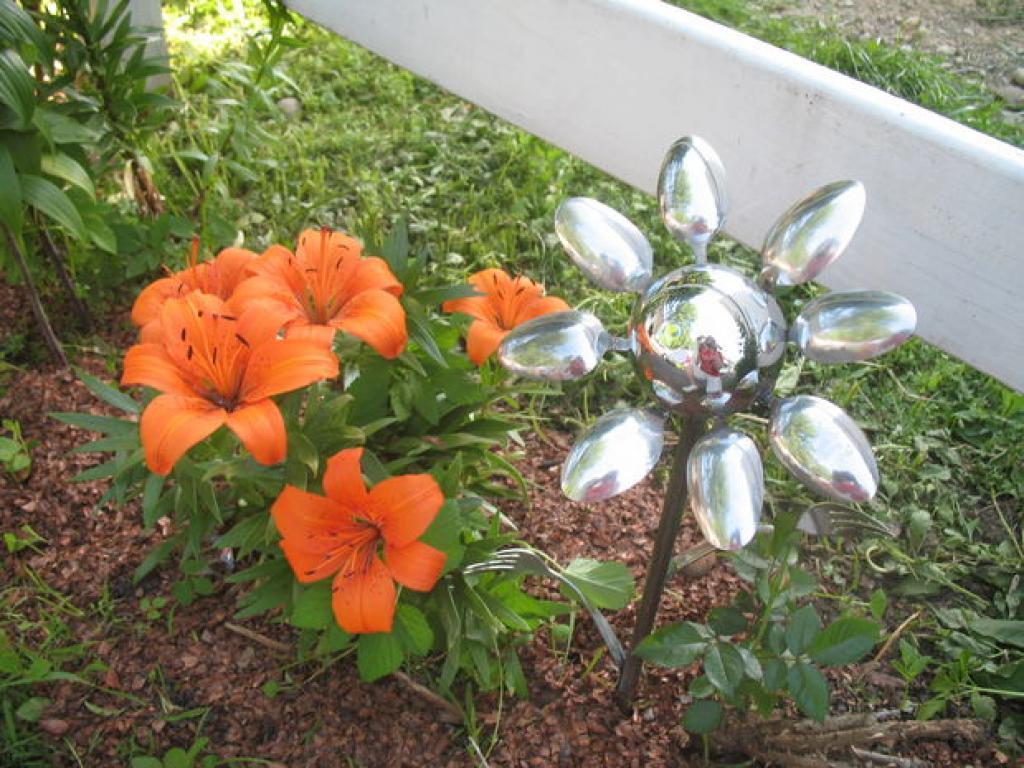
x: 616, y: 81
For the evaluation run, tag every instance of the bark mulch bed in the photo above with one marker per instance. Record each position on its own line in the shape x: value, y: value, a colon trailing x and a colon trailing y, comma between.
x: 158, y: 668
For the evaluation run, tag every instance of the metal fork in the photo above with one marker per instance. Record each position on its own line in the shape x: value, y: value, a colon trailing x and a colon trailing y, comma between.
x: 525, y: 561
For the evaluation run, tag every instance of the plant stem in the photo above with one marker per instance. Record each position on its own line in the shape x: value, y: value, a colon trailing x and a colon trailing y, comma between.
x: 60, y: 266
x: 37, y: 304
x: 657, y: 572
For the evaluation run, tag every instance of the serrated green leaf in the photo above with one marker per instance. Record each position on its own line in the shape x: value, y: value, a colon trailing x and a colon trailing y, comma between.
x: 726, y: 620
x: 605, y: 584
x: 844, y: 641
x: 809, y: 690
x: 724, y: 667
x: 703, y: 716
x: 378, y: 655
x: 32, y: 709
x: 44, y: 196
x: 803, y: 625
x: 774, y: 677
x: 677, y: 645
x: 67, y: 169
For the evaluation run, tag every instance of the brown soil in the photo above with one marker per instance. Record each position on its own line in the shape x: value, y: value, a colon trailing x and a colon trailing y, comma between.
x: 156, y: 668
x: 983, y: 39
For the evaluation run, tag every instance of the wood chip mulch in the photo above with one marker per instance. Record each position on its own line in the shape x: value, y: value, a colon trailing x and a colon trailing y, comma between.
x: 155, y: 675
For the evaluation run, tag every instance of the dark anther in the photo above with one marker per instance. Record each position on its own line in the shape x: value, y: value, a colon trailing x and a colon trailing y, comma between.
x: 189, y: 355
x: 241, y: 338
x: 230, y: 318
x: 214, y: 355
x: 200, y: 313
x: 182, y: 334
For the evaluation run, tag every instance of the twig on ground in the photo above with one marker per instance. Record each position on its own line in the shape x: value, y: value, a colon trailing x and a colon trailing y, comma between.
x: 256, y: 637
x: 449, y: 713
x: 878, y: 758
x: 887, y: 645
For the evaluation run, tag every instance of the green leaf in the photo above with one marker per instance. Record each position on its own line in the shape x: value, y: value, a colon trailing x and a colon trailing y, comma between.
x: 312, y: 609
x: 108, y: 394
x: 395, y: 250
x: 433, y: 296
x: 47, y: 198
x: 879, y: 601
x: 724, y: 667
x: 727, y: 621
x: 984, y: 707
x: 17, y: 88
x: 677, y: 645
x: 931, y: 708
x: 606, y: 585
x: 62, y: 129
x: 703, y: 716
x: 809, y: 690
x: 32, y: 709
x: 803, y: 625
x: 107, y: 425
x: 146, y: 761
x: 843, y: 641
x: 1003, y: 630
x: 774, y: 677
x: 176, y: 757
x: 65, y: 168
x: 150, y: 496
x: 378, y: 655
x: 11, y: 212
x: 413, y: 630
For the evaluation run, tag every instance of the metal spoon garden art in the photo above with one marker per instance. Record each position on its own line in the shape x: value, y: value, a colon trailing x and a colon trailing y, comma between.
x: 708, y: 341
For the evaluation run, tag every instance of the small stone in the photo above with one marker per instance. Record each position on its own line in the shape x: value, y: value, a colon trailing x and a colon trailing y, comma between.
x: 291, y: 106
x: 1011, y: 94
x: 245, y: 658
x: 54, y: 727
x: 1017, y: 78
x: 911, y: 23
x: 945, y: 49
x: 189, y: 661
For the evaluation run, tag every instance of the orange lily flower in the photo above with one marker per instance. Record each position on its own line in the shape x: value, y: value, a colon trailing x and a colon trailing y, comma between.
x: 345, y: 533
x: 506, y: 303
x: 219, y: 277
x: 215, y: 369
x: 327, y: 284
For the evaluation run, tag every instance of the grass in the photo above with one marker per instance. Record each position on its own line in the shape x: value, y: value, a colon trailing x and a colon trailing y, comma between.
x: 373, y: 142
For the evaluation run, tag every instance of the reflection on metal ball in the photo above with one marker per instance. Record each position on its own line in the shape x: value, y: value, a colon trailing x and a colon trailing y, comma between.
x: 707, y: 339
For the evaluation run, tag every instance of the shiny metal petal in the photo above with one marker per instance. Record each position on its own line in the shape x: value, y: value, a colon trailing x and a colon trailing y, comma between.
x: 828, y: 519
x: 604, y: 244
x: 812, y: 234
x: 691, y: 193
x: 614, y: 454
x: 847, y: 326
x: 725, y: 480
x: 823, y: 448
x: 556, y: 347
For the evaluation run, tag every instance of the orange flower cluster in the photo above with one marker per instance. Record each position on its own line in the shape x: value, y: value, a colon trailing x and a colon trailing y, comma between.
x: 504, y: 302
x: 211, y: 339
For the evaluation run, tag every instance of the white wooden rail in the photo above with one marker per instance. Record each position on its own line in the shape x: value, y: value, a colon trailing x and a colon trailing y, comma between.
x: 616, y: 81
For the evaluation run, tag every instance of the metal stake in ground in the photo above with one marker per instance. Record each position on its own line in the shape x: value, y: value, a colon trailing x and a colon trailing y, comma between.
x: 657, y: 572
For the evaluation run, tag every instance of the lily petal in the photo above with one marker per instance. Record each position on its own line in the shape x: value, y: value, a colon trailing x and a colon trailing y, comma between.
x: 260, y: 427
x: 171, y: 424
x: 377, y: 318
x: 373, y: 273
x: 147, y: 304
x: 405, y: 506
x: 306, y: 516
x: 343, y: 480
x: 417, y: 565
x: 478, y: 307
x: 151, y: 366
x: 482, y: 340
x: 364, y: 601
x: 308, y: 564
x: 540, y: 306
x: 319, y: 334
x: 283, y: 365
